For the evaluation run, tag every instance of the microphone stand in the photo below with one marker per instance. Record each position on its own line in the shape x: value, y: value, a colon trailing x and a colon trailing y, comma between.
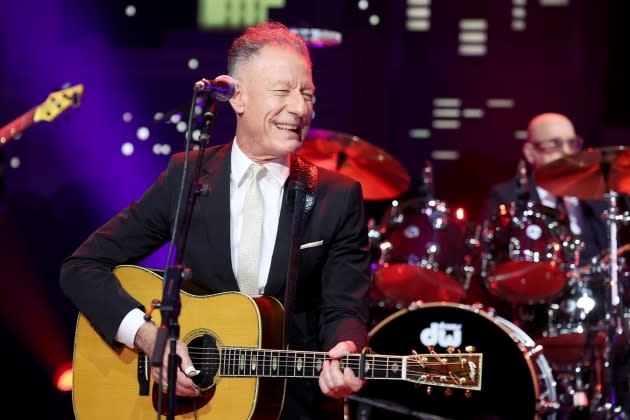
x: 522, y: 186
x: 427, y: 189
x: 171, y: 304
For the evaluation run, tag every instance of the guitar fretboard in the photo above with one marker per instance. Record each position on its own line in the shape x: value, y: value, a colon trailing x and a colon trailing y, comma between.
x: 456, y: 370
x: 303, y: 364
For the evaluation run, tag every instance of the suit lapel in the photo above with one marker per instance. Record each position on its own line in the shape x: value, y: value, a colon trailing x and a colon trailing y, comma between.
x: 533, y: 191
x: 216, y: 207
x: 304, y: 177
x: 280, y: 259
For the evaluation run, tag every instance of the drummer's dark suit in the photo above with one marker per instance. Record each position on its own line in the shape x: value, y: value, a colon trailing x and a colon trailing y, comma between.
x: 332, y: 283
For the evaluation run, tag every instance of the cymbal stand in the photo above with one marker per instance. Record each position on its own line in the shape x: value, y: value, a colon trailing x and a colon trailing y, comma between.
x: 613, y: 310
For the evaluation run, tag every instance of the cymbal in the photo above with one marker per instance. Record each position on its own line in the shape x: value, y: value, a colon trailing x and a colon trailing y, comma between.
x: 381, y: 176
x: 589, y: 174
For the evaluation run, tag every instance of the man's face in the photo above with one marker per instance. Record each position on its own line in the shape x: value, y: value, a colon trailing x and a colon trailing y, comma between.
x: 550, y: 137
x: 275, y: 105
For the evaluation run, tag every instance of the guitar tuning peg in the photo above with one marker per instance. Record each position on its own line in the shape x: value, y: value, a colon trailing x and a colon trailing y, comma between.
x: 470, y: 349
x: 429, y: 390
x: 468, y: 393
x: 448, y: 392
x: 450, y: 350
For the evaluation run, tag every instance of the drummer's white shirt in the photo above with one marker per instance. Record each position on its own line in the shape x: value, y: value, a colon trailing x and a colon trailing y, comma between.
x: 571, y: 204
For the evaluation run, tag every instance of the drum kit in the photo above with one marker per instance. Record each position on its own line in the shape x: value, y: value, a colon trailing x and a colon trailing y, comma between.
x: 555, y: 354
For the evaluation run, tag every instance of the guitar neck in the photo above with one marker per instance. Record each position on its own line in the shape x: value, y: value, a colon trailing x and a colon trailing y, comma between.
x: 247, y: 362
x: 457, y: 370
x: 16, y: 126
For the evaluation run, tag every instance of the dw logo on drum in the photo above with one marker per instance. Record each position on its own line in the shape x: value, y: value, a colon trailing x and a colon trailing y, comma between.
x: 443, y: 333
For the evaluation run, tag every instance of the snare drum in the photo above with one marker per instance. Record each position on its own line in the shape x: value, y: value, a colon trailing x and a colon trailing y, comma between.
x: 517, y: 381
x: 525, y: 256
x: 424, y: 255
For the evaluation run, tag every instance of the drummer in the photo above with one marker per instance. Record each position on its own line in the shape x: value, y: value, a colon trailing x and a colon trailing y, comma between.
x: 551, y: 136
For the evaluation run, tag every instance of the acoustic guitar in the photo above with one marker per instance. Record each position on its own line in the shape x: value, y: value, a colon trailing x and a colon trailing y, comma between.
x: 234, y: 341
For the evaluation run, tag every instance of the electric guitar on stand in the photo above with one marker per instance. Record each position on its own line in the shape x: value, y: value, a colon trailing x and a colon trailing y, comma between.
x: 225, y: 334
x: 56, y: 103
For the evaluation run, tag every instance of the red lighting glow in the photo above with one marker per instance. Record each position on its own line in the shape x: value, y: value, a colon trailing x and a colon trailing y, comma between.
x: 459, y: 214
x: 63, y: 377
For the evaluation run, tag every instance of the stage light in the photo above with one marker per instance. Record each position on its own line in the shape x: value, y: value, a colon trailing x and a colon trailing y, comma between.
x: 63, y: 377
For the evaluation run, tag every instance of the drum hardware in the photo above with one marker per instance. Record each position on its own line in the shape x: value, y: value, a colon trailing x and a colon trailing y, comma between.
x: 593, y: 174
x: 569, y: 315
x: 535, y: 351
x: 574, y: 383
x: 365, y: 407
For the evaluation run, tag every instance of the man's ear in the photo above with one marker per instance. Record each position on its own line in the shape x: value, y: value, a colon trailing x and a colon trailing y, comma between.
x: 528, y: 152
x: 239, y: 99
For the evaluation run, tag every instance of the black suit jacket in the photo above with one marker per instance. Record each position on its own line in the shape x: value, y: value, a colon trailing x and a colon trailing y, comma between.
x: 594, y: 234
x: 333, y: 279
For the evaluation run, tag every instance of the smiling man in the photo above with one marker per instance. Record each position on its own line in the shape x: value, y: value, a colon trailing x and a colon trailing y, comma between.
x: 241, y: 233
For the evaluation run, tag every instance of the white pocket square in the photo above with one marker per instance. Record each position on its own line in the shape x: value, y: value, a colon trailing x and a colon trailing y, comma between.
x: 312, y: 244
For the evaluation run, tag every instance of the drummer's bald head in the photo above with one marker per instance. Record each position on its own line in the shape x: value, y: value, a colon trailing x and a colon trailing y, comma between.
x: 257, y: 37
x: 550, y: 136
x: 540, y: 125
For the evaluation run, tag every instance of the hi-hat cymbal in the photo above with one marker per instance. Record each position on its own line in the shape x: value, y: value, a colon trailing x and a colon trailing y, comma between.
x: 588, y: 175
x: 381, y: 176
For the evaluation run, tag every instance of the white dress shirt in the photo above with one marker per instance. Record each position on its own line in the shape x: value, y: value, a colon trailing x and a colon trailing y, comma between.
x: 272, y: 188
x: 571, y: 204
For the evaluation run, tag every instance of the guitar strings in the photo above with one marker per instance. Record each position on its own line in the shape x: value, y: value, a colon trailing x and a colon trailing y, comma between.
x: 312, y: 357
x: 236, y: 360
x: 228, y: 352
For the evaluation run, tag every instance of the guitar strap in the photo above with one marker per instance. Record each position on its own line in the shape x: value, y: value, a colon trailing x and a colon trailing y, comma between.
x: 302, y: 192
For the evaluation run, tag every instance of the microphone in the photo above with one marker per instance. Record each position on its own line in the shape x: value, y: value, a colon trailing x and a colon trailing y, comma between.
x: 314, y: 37
x: 522, y: 183
x: 222, y: 88
x: 428, y: 187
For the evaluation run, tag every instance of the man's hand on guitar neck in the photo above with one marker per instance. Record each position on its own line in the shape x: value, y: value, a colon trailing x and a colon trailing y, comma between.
x: 334, y: 382
x: 185, y: 387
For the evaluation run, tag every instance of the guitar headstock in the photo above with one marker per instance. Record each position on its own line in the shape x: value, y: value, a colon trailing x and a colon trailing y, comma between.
x: 451, y: 370
x: 57, y: 102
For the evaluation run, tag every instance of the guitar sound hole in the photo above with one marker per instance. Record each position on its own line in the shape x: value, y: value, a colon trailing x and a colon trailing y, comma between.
x: 204, y: 354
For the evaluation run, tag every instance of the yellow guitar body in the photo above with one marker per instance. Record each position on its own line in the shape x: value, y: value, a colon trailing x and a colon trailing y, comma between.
x: 105, y: 382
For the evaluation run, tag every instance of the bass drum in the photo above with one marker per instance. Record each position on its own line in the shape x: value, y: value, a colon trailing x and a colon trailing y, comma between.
x: 517, y: 382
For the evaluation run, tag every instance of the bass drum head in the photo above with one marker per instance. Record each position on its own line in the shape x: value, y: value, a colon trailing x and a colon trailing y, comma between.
x: 511, y: 385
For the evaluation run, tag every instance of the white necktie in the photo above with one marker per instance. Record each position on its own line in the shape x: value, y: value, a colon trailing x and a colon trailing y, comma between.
x: 251, y: 236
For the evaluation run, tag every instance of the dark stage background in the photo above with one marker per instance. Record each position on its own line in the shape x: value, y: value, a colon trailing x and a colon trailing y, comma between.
x: 452, y: 81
